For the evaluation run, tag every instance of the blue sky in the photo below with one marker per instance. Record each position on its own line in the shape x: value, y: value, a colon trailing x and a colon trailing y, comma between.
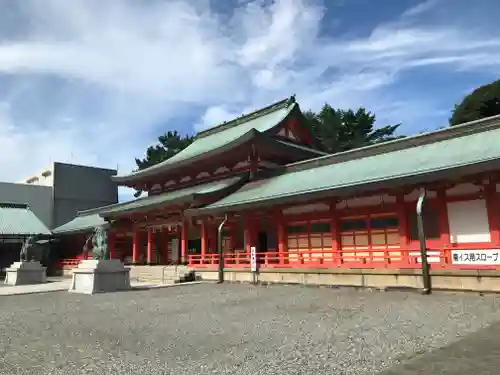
x: 95, y: 82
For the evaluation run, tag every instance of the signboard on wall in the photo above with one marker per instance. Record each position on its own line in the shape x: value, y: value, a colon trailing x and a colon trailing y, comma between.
x: 475, y: 257
x: 253, y: 259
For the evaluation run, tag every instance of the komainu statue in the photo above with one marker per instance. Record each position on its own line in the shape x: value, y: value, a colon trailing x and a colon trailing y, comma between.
x: 29, y: 250
x: 100, y: 250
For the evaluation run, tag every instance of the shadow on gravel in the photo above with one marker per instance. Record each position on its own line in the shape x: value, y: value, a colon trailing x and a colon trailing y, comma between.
x: 476, y: 354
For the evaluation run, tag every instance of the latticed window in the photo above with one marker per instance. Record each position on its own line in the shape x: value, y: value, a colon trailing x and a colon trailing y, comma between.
x: 369, y: 237
x: 375, y: 231
x: 308, y: 241
x: 227, y: 244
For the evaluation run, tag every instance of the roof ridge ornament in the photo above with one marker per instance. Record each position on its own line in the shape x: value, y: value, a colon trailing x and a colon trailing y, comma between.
x: 285, y: 103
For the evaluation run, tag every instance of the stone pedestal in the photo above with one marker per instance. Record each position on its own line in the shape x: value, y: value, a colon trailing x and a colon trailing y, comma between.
x: 100, y: 276
x: 23, y: 273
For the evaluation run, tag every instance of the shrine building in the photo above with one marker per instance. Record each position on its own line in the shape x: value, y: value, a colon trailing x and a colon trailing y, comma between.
x: 312, y: 217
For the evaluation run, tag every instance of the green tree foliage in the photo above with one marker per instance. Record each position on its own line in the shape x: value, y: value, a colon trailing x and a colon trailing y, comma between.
x: 338, y: 130
x: 482, y: 102
x: 169, y: 144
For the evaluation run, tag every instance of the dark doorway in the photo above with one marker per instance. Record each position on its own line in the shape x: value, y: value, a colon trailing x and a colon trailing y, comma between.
x: 261, y: 246
x: 262, y: 243
x: 194, y: 246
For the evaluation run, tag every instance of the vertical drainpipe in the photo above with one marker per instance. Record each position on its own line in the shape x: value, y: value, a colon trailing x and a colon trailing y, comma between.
x: 423, y: 249
x: 221, y: 253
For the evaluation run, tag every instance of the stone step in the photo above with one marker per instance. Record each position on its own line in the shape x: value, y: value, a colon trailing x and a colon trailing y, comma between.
x: 166, y: 275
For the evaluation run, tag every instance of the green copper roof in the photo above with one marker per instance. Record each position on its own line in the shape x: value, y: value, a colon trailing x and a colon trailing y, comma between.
x: 451, y: 150
x: 214, y: 140
x: 18, y: 219
x: 81, y: 223
x: 188, y: 195
x: 301, y: 147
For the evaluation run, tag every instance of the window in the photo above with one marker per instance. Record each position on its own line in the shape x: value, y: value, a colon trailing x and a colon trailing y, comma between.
x: 227, y: 244
x: 384, y: 222
x: 320, y: 228
x: 315, y: 236
x: 295, y: 229
x: 375, y: 231
x: 352, y: 225
x: 431, y: 224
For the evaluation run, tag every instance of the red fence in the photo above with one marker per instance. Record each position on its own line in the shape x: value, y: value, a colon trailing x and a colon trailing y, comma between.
x: 69, y: 263
x: 375, y: 259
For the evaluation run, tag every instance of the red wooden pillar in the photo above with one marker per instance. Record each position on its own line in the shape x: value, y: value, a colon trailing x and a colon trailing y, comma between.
x: 150, y: 246
x: 282, y: 245
x: 403, y: 227
x: 135, y: 245
x: 233, y: 234
x: 335, y: 231
x: 443, y: 223
x: 184, y: 241
x: 250, y: 235
x: 165, y: 246
x: 215, y: 233
x: 492, y: 204
x: 112, y: 244
x: 204, y: 240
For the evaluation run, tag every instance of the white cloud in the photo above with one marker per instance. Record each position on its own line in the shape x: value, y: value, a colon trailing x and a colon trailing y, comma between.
x: 215, y: 115
x: 420, y: 8
x: 128, y: 66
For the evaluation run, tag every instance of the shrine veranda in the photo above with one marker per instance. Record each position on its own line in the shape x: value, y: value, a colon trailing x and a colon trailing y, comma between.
x: 347, y: 218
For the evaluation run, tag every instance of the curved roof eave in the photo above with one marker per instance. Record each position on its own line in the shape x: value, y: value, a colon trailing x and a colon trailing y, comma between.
x: 169, y: 166
x: 194, y: 194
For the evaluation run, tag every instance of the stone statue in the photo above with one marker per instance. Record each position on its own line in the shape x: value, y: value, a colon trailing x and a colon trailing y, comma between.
x: 86, y: 247
x: 100, y: 274
x: 28, y: 249
x: 100, y: 250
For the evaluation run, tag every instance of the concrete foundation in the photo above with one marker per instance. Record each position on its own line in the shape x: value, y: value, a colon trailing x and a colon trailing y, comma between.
x: 484, y: 281
x: 100, y: 276
x: 162, y: 274
x: 24, y: 273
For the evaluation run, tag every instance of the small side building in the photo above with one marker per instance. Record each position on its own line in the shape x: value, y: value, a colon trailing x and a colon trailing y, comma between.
x: 17, y: 222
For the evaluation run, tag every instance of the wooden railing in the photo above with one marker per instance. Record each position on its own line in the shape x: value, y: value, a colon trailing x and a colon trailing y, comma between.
x: 352, y: 258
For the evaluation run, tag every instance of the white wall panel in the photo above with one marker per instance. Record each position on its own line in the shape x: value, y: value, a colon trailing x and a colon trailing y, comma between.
x: 468, y: 221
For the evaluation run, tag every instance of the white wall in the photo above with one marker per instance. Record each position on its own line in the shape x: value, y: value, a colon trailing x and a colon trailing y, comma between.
x: 468, y: 221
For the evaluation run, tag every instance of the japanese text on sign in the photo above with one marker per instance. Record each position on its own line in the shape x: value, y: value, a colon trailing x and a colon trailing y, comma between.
x: 479, y: 257
x: 253, y: 259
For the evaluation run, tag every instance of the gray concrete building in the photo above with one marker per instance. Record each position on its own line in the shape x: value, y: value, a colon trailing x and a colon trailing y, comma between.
x: 57, y: 193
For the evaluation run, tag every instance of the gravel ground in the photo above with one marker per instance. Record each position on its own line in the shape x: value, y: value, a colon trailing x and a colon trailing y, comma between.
x: 231, y: 329
x: 477, y: 354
